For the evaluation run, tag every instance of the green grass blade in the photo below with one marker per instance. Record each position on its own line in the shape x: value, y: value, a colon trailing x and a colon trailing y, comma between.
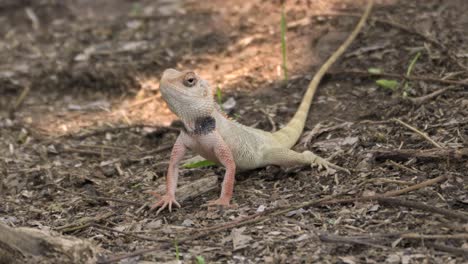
x: 412, y: 63
x: 177, y: 255
x: 406, y: 87
x: 219, y: 96
x: 283, y: 42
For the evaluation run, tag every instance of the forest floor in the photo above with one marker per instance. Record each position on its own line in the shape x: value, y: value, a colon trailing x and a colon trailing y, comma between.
x: 91, y: 135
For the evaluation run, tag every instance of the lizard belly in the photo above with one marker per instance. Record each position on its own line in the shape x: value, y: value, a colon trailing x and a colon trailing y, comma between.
x: 203, y: 145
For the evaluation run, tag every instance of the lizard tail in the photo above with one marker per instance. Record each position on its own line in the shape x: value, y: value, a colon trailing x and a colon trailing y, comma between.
x: 288, y: 135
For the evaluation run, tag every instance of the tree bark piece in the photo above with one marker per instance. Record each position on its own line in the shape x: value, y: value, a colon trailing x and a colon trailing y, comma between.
x: 22, y: 244
x: 193, y: 189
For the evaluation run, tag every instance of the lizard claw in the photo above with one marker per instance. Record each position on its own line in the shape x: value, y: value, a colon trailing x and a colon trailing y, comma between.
x: 165, y: 201
x: 325, y: 164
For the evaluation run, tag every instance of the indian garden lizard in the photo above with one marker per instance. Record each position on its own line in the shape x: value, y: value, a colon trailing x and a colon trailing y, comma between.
x: 235, y: 146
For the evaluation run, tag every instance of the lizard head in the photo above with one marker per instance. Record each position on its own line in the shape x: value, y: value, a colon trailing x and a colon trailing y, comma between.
x: 186, y: 94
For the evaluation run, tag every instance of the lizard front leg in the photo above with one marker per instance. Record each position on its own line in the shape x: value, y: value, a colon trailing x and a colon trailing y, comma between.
x: 178, y: 152
x: 224, y: 155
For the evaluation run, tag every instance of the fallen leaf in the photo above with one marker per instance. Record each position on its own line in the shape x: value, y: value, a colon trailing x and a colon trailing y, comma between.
x: 239, y: 240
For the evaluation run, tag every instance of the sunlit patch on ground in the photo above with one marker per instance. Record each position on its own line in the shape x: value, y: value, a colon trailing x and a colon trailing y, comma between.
x: 144, y: 108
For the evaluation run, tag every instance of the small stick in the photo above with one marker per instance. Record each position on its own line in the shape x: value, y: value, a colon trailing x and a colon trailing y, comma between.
x: 128, y: 233
x: 415, y: 187
x: 143, y: 101
x: 387, y: 194
x: 370, y: 240
x: 102, y: 198
x: 83, y: 222
x: 20, y: 99
x: 424, y: 135
x: 453, y: 250
x: 272, y: 123
x: 423, y: 236
x: 258, y: 217
x: 115, y: 129
x: 401, y: 27
x: 424, y: 207
x: 425, y: 154
x: 85, y: 152
x: 32, y: 16
x: 403, y: 167
x: 348, y: 240
x: 400, y: 76
x: 422, y: 99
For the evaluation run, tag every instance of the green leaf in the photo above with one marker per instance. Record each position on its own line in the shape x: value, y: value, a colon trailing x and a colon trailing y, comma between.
x: 200, y: 260
x: 219, y: 96
x: 283, y: 42
x: 374, y: 71
x: 388, y: 84
x: 198, y: 164
x: 411, y: 65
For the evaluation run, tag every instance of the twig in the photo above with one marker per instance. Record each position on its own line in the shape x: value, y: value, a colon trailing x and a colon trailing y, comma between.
x: 401, y: 27
x: 403, y: 167
x: 85, y: 151
x: 373, y: 239
x: 115, y: 129
x: 143, y: 101
x: 424, y: 135
x: 422, y: 154
x: 327, y: 238
x: 387, y: 194
x: 102, y: 198
x: 20, y: 99
x: 385, y: 180
x: 258, y: 217
x: 423, y: 236
x: 136, y: 253
x: 97, y: 198
x: 453, y: 250
x: 83, y: 222
x: 129, y: 234
x: 422, y: 99
x: 400, y: 76
x: 424, y: 207
x: 32, y: 16
x: 156, y: 151
x: 415, y: 187
x: 272, y: 123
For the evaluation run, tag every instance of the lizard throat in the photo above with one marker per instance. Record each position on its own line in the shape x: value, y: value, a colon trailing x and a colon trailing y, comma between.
x: 202, y: 126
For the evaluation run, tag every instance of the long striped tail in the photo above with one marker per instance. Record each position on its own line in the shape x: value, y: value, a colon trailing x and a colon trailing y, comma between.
x: 288, y: 135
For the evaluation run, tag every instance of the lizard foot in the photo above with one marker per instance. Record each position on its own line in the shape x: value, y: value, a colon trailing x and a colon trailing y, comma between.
x: 323, y: 163
x: 165, y: 201
x: 222, y: 202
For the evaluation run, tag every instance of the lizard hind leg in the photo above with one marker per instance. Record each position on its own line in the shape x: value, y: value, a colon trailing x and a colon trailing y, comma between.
x: 287, y: 157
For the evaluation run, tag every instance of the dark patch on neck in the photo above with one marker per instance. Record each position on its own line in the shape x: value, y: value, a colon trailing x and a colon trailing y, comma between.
x: 204, y: 125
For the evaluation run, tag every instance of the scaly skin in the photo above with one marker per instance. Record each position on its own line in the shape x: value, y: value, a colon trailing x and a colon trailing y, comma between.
x: 216, y: 138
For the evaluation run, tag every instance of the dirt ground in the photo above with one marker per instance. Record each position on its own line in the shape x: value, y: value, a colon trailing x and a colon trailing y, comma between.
x: 92, y: 126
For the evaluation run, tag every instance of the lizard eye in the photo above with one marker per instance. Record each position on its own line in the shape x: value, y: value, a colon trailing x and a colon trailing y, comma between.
x: 190, y: 79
